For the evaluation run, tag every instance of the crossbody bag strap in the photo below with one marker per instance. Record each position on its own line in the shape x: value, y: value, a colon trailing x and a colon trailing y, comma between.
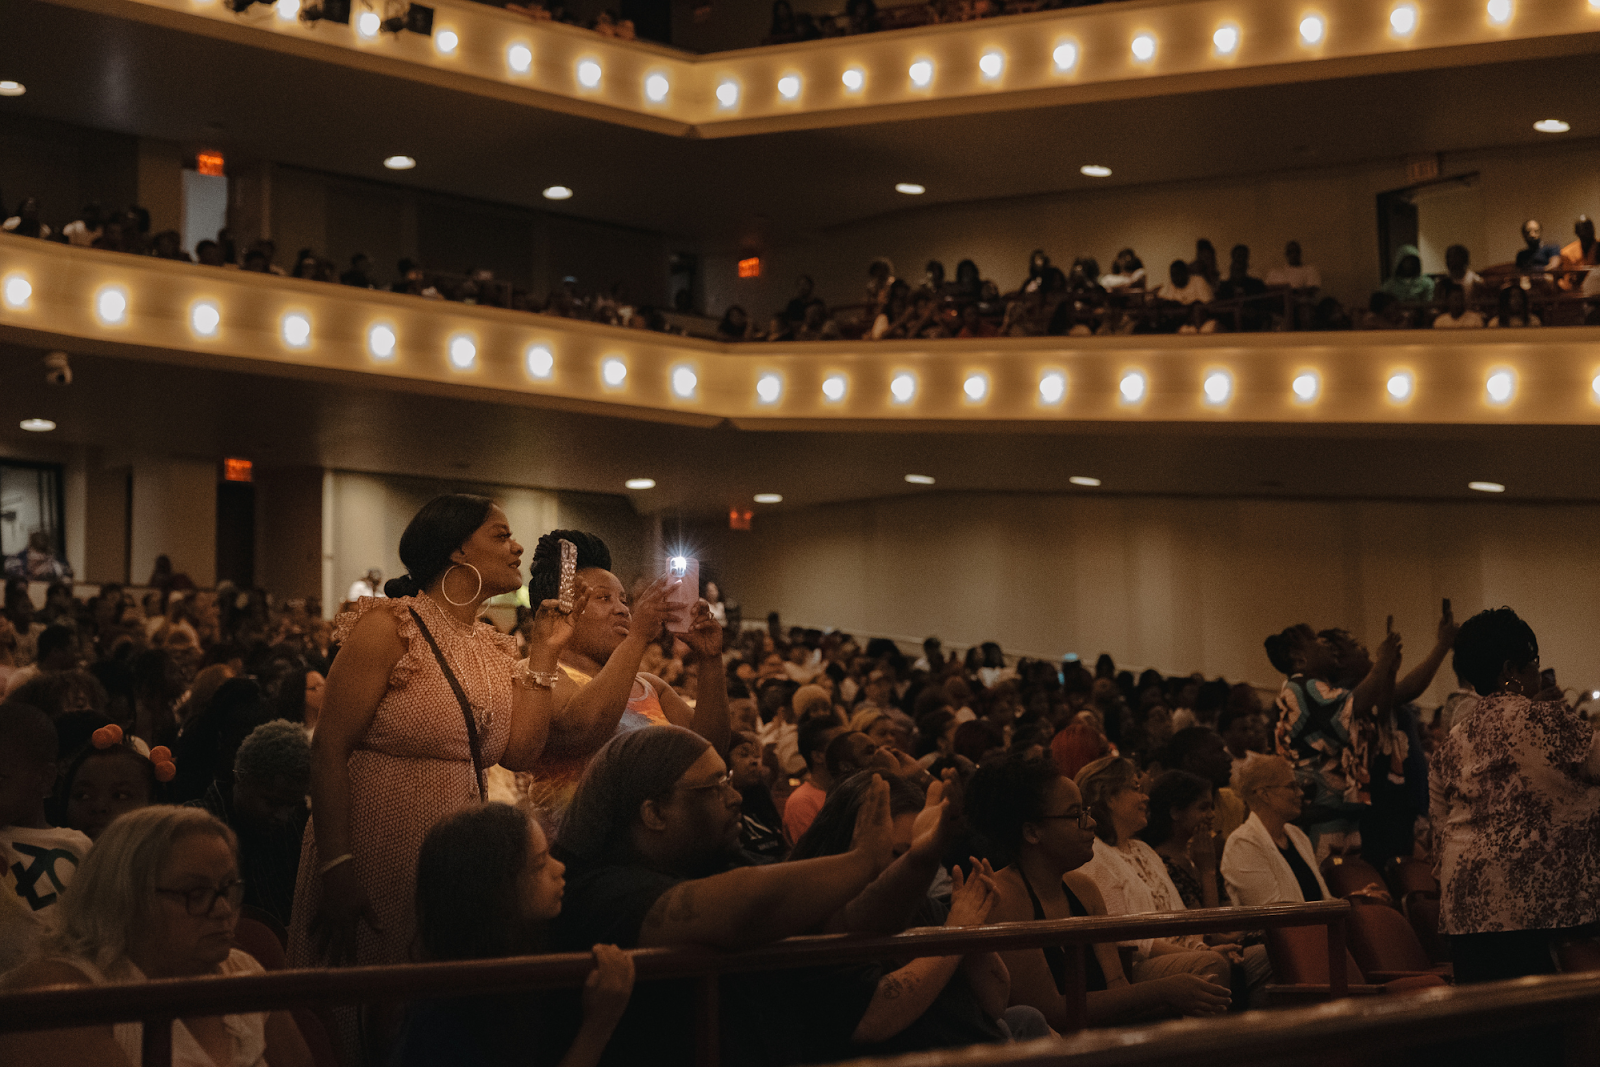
x: 466, y: 706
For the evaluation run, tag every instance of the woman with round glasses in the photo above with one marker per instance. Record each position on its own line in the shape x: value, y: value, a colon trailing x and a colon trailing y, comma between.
x: 157, y: 897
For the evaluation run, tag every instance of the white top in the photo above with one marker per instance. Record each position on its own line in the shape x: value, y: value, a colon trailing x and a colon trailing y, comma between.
x: 1301, y: 277
x: 1468, y: 320
x: 1257, y: 874
x: 249, y: 1032
x: 38, y: 865
x: 1198, y: 291
x: 786, y: 736
x: 1134, y: 881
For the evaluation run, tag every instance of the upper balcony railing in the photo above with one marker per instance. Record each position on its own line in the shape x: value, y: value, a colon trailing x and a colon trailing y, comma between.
x: 1110, y: 51
x: 57, y: 296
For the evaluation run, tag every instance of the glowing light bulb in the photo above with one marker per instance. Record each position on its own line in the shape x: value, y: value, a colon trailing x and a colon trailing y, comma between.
x: 1487, y: 487
x: 557, y: 192
x: 976, y: 387
x: 1501, y: 386
x: 1094, y: 170
x: 1052, y: 387
x: 769, y: 387
x: 205, y: 318
x: 1218, y: 387
x: 1595, y: 385
x: 541, y: 363
x: 1401, y: 386
x: 853, y: 79
x: 1144, y: 48
x: 368, y: 24
x: 1312, y: 28
x: 910, y: 188
x: 903, y: 388
x: 613, y: 372
x: 18, y: 292
x: 1132, y: 387
x: 288, y: 10
x: 111, y: 305
x: 446, y: 41
x: 12, y: 88
x: 589, y: 74
x: 640, y: 483
x: 296, y: 330
x: 833, y: 387
x: 1403, y: 20
x: 921, y: 73
x: 1306, y: 386
x: 768, y: 498
x: 1065, y: 56
x: 789, y: 86
x: 1084, y: 480
x: 37, y: 425
x: 1552, y: 126
x: 519, y: 57
x: 399, y: 162
x: 656, y: 88
x: 991, y: 65
x: 1226, y: 40
x: 728, y: 93
x: 684, y: 381
x: 920, y: 479
x: 381, y: 341
x: 1500, y: 11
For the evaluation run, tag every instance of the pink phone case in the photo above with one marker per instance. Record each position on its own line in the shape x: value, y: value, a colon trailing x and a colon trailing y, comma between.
x: 683, y: 598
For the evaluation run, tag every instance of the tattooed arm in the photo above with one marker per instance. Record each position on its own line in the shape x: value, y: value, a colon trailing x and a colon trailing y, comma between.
x: 902, y: 997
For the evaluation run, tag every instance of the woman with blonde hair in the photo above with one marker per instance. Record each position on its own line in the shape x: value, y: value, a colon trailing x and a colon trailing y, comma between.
x: 1267, y: 860
x: 157, y: 897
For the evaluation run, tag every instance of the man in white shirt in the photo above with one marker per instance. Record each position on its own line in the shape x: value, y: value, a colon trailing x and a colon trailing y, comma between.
x: 371, y: 585
x: 1184, y: 288
x: 1294, y: 273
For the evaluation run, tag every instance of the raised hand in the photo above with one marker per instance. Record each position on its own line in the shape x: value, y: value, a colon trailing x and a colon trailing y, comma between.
x: 650, y: 609
x: 874, y: 830
x: 1448, y: 627
x: 935, y: 825
x: 972, y: 897
x: 704, y: 637
x: 553, y: 628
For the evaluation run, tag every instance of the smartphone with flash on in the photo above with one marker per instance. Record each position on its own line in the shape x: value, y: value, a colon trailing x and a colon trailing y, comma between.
x: 682, y: 598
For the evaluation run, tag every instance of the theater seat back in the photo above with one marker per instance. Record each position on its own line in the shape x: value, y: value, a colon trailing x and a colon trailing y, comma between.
x: 1299, y: 956
x: 1347, y: 874
x: 1382, y: 941
x: 258, y: 939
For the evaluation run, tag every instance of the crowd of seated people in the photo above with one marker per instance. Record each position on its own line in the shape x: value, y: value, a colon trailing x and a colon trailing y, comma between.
x: 637, y: 777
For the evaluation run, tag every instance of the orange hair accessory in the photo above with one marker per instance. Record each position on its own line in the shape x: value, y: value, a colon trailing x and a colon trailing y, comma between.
x: 161, y: 754
x: 103, y: 738
x: 115, y: 733
x: 166, y: 770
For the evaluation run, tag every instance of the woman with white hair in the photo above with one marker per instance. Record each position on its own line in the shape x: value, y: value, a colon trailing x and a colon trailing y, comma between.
x: 1268, y: 861
x: 157, y: 897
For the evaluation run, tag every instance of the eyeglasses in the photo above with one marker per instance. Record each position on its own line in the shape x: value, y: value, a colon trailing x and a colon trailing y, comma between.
x: 724, y: 782
x: 202, y: 900
x: 1081, y: 817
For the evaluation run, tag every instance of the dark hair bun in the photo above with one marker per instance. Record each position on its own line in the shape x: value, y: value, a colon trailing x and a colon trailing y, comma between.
x: 405, y: 585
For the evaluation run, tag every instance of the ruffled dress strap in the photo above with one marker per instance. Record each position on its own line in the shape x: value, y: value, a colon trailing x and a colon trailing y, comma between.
x: 417, y: 654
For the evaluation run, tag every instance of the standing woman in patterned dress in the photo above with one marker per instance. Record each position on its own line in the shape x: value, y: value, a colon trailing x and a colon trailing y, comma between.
x: 393, y: 754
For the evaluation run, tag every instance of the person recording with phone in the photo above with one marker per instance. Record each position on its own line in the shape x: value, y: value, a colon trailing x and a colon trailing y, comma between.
x: 599, y: 690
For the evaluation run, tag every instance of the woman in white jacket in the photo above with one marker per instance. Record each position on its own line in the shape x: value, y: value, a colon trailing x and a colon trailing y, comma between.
x: 1268, y: 861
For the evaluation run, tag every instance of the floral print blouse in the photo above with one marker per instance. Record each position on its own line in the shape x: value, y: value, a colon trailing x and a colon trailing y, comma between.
x: 1514, y: 797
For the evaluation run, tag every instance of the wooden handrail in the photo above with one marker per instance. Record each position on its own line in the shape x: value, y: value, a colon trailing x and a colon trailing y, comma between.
x: 49, y: 1009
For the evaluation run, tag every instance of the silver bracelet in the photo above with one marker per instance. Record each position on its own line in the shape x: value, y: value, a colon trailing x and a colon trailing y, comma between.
x: 331, y: 864
x: 529, y: 678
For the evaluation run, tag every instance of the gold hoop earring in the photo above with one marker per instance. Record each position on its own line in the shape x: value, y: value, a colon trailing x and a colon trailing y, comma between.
x: 446, y: 592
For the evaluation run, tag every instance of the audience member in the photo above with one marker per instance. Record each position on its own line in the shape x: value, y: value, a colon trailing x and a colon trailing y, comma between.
x: 1456, y: 314
x: 1458, y: 273
x: 1294, y: 273
x: 1581, y: 253
x: 1537, y: 256
x: 816, y: 736
x: 1269, y: 860
x: 110, y: 775
x: 1184, y: 287
x: 1406, y: 282
x: 761, y: 830
x: 1513, y: 308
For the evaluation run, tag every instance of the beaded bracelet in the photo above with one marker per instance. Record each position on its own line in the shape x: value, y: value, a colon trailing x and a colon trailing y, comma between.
x: 529, y: 678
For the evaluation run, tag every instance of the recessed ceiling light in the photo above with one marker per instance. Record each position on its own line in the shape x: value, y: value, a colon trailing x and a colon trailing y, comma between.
x: 1052, y: 387
x: 684, y: 380
x: 1306, y: 386
x: 37, y: 425
x: 111, y: 304
x: 1079, y: 479
x: 368, y: 24
x: 1226, y: 40
x: 1218, y: 387
x: 205, y: 318
x: 910, y: 188
x: 17, y: 291
x: 1312, y: 28
x: 463, y: 352
x: 656, y: 88
x: 296, y: 330
x: 589, y: 74
x: 1144, y: 48
x: 789, y: 86
x: 446, y: 41
x: 853, y: 79
x: 288, y: 10
x: 991, y: 64
x: 558, y: 192
x: 921, y: 73
x: 381, y: 341
x: 833, y: 387
x: 519, y: 57
x: 1552, y: 126
x: 613, y: 372
x: 1487, y: 487
x: 1501, y: 386
x: 728, y: 93
x: 769, y: 498
x: 11, y: 88
x: 903, y: 387
x: 640, y: 483
x: 1595, y: 385
x: 1094, y: 170
x: 1401, y: 386
x: 1065, y: 56
x: 976, y: 387
x: 1500, y: 12
x: 1132, y: 387
x: 769, y: 387
x: 919, y: 479
x: 541, y: 362
x: 1403, y: 19
x: 399, y: 162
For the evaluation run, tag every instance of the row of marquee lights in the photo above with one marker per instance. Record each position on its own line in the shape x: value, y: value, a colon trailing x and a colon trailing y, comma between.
x: 295, y: 329
x: 1226, y: 40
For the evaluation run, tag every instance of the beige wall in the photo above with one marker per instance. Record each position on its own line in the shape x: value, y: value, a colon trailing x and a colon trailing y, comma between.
x: 175, y: 514
x: 1332, y: 212
x: 288, y: 558
x: 161, y: 166
x: 1175, y: 584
